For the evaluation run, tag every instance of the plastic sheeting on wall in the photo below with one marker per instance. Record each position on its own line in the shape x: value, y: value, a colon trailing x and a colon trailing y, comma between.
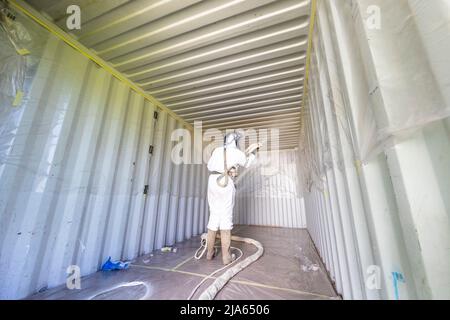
x: 268, y: 192
x: 74, y: 164
x: 375, y: 147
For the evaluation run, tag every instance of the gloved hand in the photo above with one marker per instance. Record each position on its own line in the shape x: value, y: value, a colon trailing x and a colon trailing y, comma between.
x: 253, y: 148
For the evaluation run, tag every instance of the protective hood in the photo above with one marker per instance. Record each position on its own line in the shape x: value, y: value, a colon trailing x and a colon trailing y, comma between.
x: 231, y: 140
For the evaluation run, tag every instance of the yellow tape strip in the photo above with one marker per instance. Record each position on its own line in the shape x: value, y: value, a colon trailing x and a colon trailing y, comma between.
x: 256, y: 284
x: 18, y: 98
x: 33, y: 14
x: 308, y: 53
x: 358, y: 165
x: 171, y: 270
x: 179, y: 265
x: 23, y: 52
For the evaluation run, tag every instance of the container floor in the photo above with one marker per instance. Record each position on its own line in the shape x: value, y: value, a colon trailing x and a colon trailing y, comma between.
x: 289, y: 269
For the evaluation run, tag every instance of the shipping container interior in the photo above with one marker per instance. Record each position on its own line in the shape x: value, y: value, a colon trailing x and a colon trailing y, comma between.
x: 109, y: 112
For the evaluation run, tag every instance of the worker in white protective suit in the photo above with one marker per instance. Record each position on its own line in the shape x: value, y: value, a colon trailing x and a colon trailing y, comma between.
x: 223, y: 166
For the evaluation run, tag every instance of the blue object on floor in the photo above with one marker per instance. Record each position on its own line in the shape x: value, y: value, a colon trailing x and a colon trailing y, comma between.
x: 114, y: 265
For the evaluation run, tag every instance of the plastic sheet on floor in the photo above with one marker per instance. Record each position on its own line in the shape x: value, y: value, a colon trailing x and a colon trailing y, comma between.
x: 289, y: 269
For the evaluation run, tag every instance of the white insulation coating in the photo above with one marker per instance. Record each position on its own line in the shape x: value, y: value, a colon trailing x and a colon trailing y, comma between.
x: 267, y: 194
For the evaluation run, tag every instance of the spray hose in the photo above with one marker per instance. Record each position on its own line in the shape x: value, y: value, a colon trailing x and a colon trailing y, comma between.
x: 221, y: 281
x: 225, y: 170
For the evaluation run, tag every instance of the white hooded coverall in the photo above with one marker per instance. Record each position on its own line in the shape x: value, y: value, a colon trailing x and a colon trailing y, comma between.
x: 221, y: 199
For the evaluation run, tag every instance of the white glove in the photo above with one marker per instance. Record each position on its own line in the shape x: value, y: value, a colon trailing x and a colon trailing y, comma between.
x: 253, y: 147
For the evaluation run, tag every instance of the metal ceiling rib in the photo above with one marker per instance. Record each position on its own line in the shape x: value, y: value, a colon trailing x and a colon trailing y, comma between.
x: 229, y: 63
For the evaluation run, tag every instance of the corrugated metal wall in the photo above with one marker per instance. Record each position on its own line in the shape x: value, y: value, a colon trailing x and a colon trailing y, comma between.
x: 74, y: 162
x: 377, y: 136
x: 268, y: 194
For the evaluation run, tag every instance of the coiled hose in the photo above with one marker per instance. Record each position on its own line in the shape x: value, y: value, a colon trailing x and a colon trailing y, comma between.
x: 221, y: 281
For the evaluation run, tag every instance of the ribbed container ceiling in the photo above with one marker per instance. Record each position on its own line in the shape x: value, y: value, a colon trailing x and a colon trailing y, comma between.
x: 229, y: 63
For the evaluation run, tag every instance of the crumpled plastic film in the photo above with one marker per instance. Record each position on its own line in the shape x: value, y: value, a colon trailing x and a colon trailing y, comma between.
x: 31, y: 59
x: 404, y: 61
x: 408, y: 69
x: 16, y: 42
x: 12, y: 78
x: 19, y: 56
x: 394, y: 82
x: 313, y: 149
x: 308, y: 166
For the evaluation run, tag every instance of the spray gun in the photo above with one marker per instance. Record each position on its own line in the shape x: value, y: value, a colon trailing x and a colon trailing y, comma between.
x: 253, y: 148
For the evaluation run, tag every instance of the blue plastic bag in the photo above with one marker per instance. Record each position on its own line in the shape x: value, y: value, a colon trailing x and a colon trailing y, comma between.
x: 115, y: 265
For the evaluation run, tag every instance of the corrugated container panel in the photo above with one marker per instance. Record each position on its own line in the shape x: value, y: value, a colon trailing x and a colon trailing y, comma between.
x: 74, y: 163
x: 375, y: 146
x: 268, y: 192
